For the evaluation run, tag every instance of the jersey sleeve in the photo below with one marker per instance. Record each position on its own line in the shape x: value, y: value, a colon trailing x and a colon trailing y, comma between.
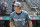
x: 28, y: 17
x: 11, y: 18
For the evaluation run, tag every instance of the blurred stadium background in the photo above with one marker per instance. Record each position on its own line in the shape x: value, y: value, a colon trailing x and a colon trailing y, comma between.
x: 27, y: 5
x: 31, y: 6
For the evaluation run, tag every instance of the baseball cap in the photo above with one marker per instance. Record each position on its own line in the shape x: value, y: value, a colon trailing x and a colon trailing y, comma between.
x: 17, y: 4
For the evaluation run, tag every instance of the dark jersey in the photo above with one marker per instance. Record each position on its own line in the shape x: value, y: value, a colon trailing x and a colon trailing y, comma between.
x: 20, y: 20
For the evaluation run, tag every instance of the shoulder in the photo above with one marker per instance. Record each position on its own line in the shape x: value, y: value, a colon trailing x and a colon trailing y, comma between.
x: 24, y: 12
x: 12, y: 13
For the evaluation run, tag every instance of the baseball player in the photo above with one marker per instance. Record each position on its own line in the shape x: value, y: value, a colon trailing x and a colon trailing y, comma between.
x: 19, y: 18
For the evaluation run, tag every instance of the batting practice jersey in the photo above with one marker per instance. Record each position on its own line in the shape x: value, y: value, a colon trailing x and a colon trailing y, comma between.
x: 20, y: 20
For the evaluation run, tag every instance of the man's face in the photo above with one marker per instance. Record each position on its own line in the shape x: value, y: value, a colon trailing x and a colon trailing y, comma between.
x: 16, y: 7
